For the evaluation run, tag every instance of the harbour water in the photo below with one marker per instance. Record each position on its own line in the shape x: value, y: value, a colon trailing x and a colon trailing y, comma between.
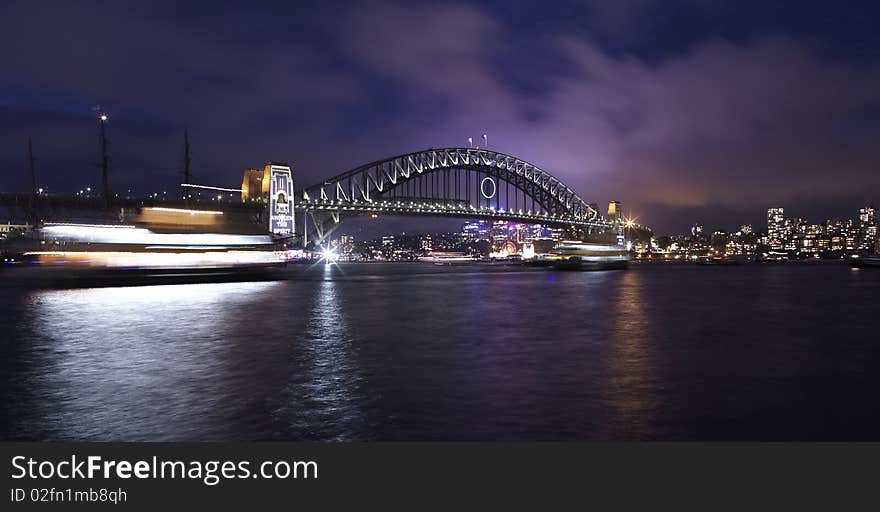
x: 419, y: 352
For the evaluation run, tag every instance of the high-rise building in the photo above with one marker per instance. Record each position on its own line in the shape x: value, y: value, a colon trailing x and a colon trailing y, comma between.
x: 475, y: 230
x: 776, y: 232
x: 344, y: 244
x: 867, y: 216
x: 867, y: 228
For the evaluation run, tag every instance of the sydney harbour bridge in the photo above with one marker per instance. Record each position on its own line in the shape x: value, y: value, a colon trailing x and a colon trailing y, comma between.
x: 468, y: 183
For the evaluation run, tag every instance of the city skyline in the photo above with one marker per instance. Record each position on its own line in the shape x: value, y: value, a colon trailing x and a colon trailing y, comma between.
x: 737, y: 107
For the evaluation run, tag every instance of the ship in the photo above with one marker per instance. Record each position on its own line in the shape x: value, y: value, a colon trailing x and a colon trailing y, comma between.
x: 865, y: 261
x: 447, y: 258
x: 172, y: 243
x: 720, y: 260
x: 578, y: 255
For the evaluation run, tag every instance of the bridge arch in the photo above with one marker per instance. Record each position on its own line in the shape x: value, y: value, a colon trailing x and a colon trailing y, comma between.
x: 449, y: 182
x: 386, y: 178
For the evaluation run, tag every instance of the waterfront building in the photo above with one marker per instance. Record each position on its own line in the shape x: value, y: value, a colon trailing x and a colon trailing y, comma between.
x: 474, y: 230
x: 867, y: 228
x: 776, y: 228
x: 539, y: 231
x: 9, y: 229
x: 851, y: 235
x: 345, y: 244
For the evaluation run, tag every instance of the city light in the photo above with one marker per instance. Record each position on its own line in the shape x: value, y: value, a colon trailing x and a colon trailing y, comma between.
x: 328, y: 255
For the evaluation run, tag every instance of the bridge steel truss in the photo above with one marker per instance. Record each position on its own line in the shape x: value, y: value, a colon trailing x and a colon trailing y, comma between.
x: 450, y: 182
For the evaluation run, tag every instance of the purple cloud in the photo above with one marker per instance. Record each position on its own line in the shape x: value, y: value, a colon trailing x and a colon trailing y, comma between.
x: 722, y: 129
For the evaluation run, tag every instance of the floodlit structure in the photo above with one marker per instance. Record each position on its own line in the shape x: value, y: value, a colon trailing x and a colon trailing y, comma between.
x: 452, y: 182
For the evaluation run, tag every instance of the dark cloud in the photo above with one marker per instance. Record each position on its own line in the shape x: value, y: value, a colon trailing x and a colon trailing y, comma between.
x: 719, y: 127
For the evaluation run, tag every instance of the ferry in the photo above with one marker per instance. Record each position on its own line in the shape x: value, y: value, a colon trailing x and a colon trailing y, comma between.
x: 720, y: 260
x: 447, y: 258
x: 865, y: 261
x: 577, y: 255
x: 161, y: 242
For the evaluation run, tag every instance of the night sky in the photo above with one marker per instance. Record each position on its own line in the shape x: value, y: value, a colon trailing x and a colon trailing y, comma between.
x: 684, y: 110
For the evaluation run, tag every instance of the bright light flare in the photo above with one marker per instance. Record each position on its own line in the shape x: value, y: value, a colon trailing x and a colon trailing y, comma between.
x: 328, y: 255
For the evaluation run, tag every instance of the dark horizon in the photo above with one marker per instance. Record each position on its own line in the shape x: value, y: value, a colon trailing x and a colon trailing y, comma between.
x: 690, y: 111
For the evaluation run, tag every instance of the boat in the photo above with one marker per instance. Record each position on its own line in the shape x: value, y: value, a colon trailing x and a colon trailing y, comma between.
x: 447, y: 258
x: 161, y: 242
x: 865, y: 261
x: 577, y: 255
x: 718, y: 260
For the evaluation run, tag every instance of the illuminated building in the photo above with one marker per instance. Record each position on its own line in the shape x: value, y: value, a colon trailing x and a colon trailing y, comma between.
x: 475, y: 230
x: 615, y: 211
x: 539, y: 231
x: 851, y: 235
x: 10, y: 229
x: 344, y: 244
x: 867, y: 228
x: 776, y: 228
x: 498, y: 234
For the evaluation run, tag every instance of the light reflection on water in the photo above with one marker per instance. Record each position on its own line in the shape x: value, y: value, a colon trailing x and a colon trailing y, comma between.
x: 134, y: 362
x: 631, y: 361
x: 322, y: 398
x: 410, y: 352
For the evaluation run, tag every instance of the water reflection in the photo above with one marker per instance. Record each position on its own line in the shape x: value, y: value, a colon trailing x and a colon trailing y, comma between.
x: 631, y: 363
x: 413, y: 352
x: 132, y: 363
x: 322, y: 397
